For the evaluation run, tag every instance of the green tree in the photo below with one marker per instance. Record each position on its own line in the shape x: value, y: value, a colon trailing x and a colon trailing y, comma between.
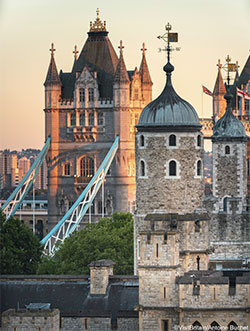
x: 110, y: 238
x: 20, y: 249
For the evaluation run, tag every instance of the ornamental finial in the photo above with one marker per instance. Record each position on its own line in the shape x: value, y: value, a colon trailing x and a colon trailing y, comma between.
x: 52, y: 49
x: 143, y: 49
x: 75, y: 52
x: 169, y: 37
x: 121, y: 47
x: 97, y: 26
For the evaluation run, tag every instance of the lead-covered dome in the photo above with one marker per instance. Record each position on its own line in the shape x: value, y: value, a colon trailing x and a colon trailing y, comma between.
x: 228, y: 126
x: 169, y: 109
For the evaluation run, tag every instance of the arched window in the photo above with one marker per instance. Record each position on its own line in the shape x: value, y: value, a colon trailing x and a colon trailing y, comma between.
x: 136, y: 94
x: 100, y: 119
x: 73, y: 119
x: 199, y: 140
x: 91, y: 94
x: 232, y: 326
x: 142, y: 142
x: 81, y: 94
x: 197, y: 326
x: 215, y: 326
x: 82, y: 119
x: 197, y: 226
x: 87, y: 167
x: 172, y: 168
x: 172, y: 140
x: 66, y: 170
x: 142, y: 169
x: 227, y: 150
x: 198, y: 168
x: 225, y: 204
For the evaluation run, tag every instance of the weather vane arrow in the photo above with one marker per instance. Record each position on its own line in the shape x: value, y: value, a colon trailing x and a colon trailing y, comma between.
x: 169, y: 37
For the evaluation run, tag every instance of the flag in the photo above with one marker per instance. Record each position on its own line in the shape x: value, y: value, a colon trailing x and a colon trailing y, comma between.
x: 206, y: 91
x: 242, y: 94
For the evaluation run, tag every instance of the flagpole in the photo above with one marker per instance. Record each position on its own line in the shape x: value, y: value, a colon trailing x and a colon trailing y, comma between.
x: 201, y: 101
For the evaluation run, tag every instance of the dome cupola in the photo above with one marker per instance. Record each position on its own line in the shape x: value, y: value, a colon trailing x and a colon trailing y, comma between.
x: 169, y: 109
x: 228, y: 126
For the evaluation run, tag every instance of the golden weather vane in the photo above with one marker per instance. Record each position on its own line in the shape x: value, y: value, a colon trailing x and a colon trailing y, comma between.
x: 229, y: 67
x: 169, y: 37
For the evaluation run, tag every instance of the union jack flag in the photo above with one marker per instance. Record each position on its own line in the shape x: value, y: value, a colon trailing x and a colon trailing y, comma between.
x: 206, y: 91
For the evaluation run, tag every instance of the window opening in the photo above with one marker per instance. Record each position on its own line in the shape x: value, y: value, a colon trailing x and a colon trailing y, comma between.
x: 73, y: 119
x: 100, y: 119
x: 199, y: 168
x: 87, y: 167
x: 91, y: 94
x: 199, y: 141
x: 142, y: 142
x: 172, y: 140
x: 91, y: 119
x: 172, y: 168
x: 142, y: 168
x: 82, y: 119
x: 81, y: 94
x: 227, y: 150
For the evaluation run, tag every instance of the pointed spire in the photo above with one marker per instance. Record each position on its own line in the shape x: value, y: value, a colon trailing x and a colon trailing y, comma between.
x: 219, y: 87
x: 144, y: 72
x: 121, y: 74
x: 52, y: 74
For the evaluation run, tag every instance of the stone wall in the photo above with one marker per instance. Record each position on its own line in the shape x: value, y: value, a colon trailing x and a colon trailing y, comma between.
x: 159, y: 191
x: 23, y: 320
x: 98, y: 323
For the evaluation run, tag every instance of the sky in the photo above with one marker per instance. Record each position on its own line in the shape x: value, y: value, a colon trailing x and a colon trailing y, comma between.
x: 208, y: 31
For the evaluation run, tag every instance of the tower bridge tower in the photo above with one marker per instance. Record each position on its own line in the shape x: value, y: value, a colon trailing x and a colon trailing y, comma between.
x: 85, y: 110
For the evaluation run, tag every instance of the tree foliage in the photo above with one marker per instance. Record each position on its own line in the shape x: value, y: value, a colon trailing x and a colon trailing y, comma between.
x: 110, y: 238
x: 20, y: 249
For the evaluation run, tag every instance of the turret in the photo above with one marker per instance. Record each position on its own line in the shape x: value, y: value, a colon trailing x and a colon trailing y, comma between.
x: 219, y: 103
x: 121, y: 82
x: 229, y: 161
x: 146, y: 82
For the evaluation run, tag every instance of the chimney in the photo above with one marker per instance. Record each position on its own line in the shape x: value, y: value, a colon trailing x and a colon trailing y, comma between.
x: 99, y: 275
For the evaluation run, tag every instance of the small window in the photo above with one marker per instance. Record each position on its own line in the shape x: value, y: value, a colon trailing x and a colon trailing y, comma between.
x: 227, y: 150
x: 199, y: 140
x: 172, y: 168
x: 199, y: 168
x: 100, y: 119
x: 172, y: 140
x: 91, y: 94
x: 142, y: 142
x: 157, y: 250
x: 91, y: 119
x: 197, y: 226
x: 73, y: 119
x: 82, y: 119
x: 81, y: 95
x: 67, y: 169
x: 196, y: 288
x: 142, y: 170
x: 164, y: 293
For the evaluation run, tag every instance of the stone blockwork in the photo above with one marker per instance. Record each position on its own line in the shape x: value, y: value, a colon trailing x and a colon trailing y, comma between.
x: 159, y: 191
x: 22, y: 320
x: 229, y: 172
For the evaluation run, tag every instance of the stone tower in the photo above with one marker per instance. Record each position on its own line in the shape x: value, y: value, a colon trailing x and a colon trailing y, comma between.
x: 171, y: 228
x: 229, y: 160
x: 219, y: 91
x: 85, y: 110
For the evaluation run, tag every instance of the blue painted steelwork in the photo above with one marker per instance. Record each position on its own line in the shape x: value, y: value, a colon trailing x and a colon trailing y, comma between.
x: 75, y: 214
x: 15, y: 199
